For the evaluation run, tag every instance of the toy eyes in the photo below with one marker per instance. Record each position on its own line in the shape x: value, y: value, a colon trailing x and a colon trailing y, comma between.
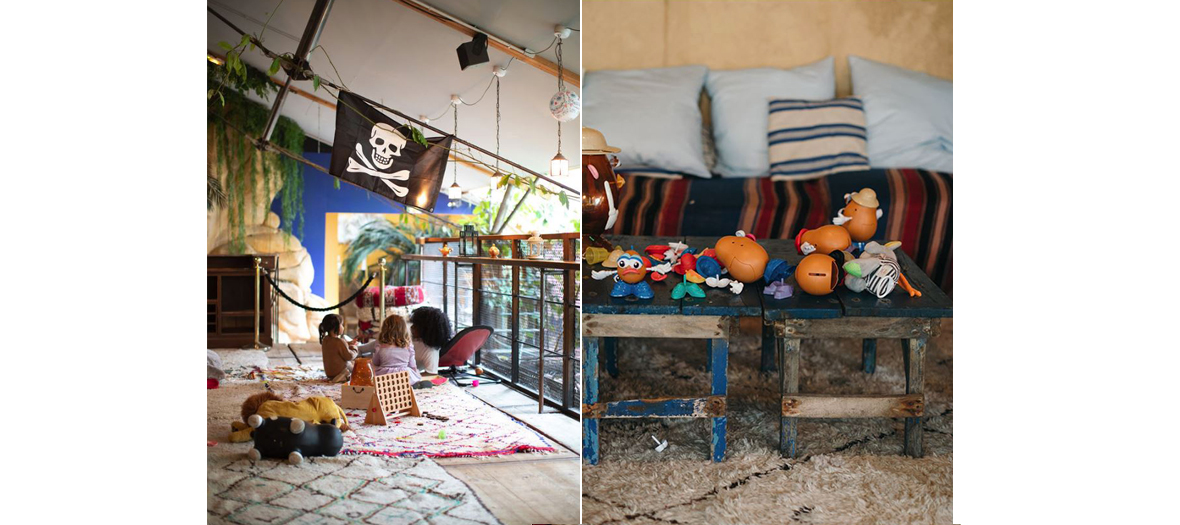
x: 630, y: 263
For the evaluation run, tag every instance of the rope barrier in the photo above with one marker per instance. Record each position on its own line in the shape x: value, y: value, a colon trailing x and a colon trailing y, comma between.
x: 312, y: 308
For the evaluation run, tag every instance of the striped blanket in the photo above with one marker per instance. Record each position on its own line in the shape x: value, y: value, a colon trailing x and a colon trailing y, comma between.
x: 916, y: 204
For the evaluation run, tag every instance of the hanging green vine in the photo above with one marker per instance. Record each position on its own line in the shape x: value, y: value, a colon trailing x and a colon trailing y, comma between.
x: 237, y: 157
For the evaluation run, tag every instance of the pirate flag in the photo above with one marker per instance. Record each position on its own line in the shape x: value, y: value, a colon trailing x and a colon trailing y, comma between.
x: 374, y: 152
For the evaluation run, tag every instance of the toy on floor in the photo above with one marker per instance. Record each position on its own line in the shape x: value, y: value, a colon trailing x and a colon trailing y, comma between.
x: 362, y: 372
x: 877, y: 271
x: 859, y: 214
x: 819, y: 274
x: 394, y: 398
x: 293, y: 439
x: 315, y: 409
x: 825, y: 239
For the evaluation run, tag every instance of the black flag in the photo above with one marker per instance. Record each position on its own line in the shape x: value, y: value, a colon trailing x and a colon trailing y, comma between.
x: 374, y: 152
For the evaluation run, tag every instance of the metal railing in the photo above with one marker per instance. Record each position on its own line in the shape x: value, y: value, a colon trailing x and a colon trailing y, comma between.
x: 533, y: 305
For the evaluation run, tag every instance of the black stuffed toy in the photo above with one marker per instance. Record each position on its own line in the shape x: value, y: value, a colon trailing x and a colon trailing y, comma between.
x: 292, y: 439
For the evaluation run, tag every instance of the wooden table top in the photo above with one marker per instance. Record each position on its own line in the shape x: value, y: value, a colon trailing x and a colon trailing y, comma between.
x: 752, y: 302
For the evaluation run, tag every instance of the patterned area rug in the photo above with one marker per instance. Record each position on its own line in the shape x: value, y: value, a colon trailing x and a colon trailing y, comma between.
x: 473, y: 428
x: 341, y: 489
x: 848, y: 471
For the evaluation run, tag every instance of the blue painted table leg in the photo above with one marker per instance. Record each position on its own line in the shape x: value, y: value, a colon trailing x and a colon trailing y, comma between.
x: 868, y: 356
x: 788, y: 384
x: 768, y: 347
x: 609, y: 345
x: 590, y: 397
x: 719, y: 364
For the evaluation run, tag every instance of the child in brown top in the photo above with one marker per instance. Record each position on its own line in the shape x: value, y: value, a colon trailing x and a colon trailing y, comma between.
x: 338, y: 354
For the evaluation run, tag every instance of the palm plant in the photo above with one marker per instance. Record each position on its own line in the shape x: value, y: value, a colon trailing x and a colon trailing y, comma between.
x: 392, y: 239
x: 215, y: 195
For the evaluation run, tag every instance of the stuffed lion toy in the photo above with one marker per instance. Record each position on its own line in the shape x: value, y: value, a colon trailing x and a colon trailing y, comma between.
x: 267, y: 405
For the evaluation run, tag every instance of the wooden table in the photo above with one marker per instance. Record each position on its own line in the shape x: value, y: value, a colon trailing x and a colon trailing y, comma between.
x: 606, y: 319
x: 786, y: 322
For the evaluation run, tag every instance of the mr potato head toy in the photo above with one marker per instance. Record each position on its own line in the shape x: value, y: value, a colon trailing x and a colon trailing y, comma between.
x: 600, y: 187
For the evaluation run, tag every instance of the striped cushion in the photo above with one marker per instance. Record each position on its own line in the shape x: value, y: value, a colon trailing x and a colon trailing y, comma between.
x: 811, y: 139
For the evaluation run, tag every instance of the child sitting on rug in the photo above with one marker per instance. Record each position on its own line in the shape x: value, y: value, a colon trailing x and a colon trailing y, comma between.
x: 430, y: 329
x: 338, y: 354
x: 392, y: 352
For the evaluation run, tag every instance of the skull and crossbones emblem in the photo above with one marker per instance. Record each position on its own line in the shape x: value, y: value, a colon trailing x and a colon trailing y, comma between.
x: 386, y: 143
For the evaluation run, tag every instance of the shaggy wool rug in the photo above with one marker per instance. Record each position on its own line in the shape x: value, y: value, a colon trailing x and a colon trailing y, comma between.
x: 327, y: 490
x: 848, y: 471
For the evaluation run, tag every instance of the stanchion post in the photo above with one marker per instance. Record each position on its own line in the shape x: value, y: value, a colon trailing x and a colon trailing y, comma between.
x: 258, y: 304
x: 381, y: 291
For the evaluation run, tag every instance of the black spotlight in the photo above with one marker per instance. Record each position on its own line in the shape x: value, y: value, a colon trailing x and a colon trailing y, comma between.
x: 473, y: 52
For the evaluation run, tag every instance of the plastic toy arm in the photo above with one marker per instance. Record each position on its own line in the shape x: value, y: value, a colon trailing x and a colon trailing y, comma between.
x: 661, y: 268
x: 840, y: 219
x: 879, y: 213
x: 599, y: 275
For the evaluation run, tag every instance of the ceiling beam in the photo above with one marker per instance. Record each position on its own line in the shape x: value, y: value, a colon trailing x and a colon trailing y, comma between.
x: 543, y: 64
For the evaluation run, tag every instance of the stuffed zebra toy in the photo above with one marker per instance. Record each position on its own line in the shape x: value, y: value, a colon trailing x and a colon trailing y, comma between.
x: 877, y: 271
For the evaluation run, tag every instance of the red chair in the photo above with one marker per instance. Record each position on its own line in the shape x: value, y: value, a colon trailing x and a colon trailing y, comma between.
x: 460, y: 348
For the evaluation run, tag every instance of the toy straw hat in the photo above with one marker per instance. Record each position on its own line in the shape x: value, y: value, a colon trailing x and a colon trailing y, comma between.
x: 866, y: 197
x: 593, y: 143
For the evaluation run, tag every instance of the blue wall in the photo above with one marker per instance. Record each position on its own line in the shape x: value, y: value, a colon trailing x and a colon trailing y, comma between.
x: 320, y: 198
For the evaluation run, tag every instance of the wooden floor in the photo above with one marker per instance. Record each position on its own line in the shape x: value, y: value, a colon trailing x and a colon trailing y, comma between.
x: 517, y: 488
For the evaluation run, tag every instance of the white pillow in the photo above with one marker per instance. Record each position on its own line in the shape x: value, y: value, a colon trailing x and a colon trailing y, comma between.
x: 653, y: 115
x: 739, y: 101
x: 908, y: 115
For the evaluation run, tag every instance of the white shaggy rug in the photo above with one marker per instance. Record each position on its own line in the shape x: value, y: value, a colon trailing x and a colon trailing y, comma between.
x: 325, y: 490
x: 848, y: 471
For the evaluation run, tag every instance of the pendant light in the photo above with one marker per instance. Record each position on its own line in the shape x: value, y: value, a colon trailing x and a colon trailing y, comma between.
x: 454, y: 191
x: 559, y: 166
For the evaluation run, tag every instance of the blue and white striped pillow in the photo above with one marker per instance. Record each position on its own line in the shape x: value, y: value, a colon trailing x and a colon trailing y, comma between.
x: 811, y: 139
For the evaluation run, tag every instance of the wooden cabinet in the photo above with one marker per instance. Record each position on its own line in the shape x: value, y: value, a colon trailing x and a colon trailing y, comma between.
x: 230, y: 301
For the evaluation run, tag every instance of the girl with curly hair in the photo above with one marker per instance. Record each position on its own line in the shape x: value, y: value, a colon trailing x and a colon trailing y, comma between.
x: 430, y: 329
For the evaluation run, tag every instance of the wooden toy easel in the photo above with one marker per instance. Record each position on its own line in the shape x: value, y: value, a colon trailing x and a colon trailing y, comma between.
x: 394, y: 396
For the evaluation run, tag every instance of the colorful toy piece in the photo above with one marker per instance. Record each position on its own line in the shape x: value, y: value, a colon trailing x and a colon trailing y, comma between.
x: 877, y: 271
x: 859, y: 214
x: 818, y: 274
x: 445, y: 250
x: 293, y: 439
x: 595, y: 255
x: 825, y: 239
x: 742, y: 256
x: 629, y: 280
x: 362, y: 372
x: 612, y: 259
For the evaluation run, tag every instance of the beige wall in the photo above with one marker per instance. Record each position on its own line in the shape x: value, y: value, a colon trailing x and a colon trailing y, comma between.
x: 736, y: 34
